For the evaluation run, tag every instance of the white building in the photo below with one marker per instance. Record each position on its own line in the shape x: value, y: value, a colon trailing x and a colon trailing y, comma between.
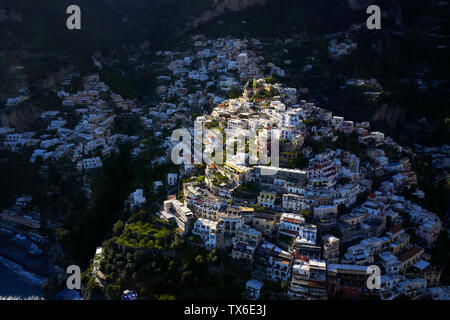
x: 91, y: 163
x: 137, y: 198
x: 290, y: 224
x: 157, y: 185
x: 253, y: 289
x: 294, y: 202
x: 172, y: 179
x: 206, y: 229
x: 390, y: 263
x: 307, y: 234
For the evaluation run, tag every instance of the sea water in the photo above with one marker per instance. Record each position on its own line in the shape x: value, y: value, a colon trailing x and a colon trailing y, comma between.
x: 17, y: 283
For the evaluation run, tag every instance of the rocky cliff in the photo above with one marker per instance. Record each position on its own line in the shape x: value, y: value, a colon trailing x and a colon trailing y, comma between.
x: 219, y: 7
x: 357, y: 5
x: 391, y: 114
x: 21, y: 117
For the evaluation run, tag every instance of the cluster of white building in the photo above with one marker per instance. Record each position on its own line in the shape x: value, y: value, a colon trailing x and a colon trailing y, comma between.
x: 87, y: 142
x: 295, y: 206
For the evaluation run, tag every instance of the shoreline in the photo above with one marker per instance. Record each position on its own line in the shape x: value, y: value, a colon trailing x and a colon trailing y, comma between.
x: 35, y: 280
x: 19, y: 283
x: 38, y: 265
x: 34, y: 270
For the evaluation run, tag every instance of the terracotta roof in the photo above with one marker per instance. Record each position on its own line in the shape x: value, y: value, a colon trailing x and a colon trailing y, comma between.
x: 241, y: 244
x: 292, y: 220
x: 395, y: 230
x: 408, y: 254
x: 292, y: 232
x: 281, y: 261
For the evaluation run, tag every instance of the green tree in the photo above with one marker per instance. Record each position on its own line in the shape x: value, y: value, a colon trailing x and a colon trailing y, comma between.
x: 199, y: 259
x: 186, y: 277
x: 234, y: 93
x: 118, y: 228
x: 166, y: 297
x: 113, y: 291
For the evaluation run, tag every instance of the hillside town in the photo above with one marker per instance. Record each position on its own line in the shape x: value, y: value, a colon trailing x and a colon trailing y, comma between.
x: 343, y: 199
x: 317, y: 228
